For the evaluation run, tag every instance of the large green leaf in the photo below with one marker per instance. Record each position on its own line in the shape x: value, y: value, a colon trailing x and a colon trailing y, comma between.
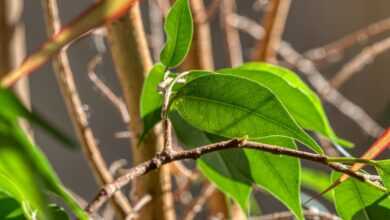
x: 235, y: 171
x: 303, y: 104
x: 151, y: 100
x: 355, y: 200
x: 34, y: 170
x: 179, y: 28
x: 232, y: 107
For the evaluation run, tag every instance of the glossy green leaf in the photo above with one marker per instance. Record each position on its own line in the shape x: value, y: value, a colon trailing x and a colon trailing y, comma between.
x: 235, y: 171
x: 178, y: 28
x: 303, y: 104
x: 355, y: 200
x: 316, y: 180
x: 232, y: 107
x: 151, y: 99
x: 10, y: 208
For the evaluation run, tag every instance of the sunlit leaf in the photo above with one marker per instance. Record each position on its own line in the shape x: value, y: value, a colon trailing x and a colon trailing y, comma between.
x: 178, y: 28
x: 235, y: 107
x: 299, y: 99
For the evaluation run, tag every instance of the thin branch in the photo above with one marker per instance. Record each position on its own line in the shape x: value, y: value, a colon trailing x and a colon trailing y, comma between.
x: 273, y: 22
x: 137, y: 207
x: 161, y: 159
x: 329, y: 51
x: 199, y: 202
x: 67, y: 84
x: 323, y: 87
x: 232, y: 37
x: 117, y: 102
x: 364, y: 58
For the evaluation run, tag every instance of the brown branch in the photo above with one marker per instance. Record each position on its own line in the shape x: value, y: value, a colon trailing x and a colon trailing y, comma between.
x: 365, y: 57
x: 132, y: 61
x: 137, y: 207
x: 232, y: 37
x: 273, y: 22
x: 166, y: 157
x: 329, y: 51
x: 199, y: 202
x: 68, y: 88
x: 117, y: 102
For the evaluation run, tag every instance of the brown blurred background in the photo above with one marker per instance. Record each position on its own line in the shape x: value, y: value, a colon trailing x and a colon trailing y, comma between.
x: 310, y: 24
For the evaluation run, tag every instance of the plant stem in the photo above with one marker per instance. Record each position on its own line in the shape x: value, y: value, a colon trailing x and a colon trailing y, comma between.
x: 132, y: 61
x: 351, y: 160
x: 162, y: 159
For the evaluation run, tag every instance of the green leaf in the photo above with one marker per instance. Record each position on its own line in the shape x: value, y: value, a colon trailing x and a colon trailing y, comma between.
x: 279, y: 175
x: 151, y: 100
x: 235, y: 107
x: 316, y: 180
x: 303, y: 104
x: 179, y: 29
x: 235, y: 171
x: 355, y: 200
x: 16, y: 109
x: 18, y: 153
x: 383, y: 168
x: 10, y: 209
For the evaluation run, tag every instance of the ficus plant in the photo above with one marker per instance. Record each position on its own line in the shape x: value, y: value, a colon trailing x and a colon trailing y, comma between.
x: 247, y: 127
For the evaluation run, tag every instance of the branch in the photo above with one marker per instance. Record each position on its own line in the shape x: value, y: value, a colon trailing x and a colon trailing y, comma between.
x: 329, y: 51
x: 164, y: 158
x: 199, y: 202
x: 232, y: 37
x: 365, y: 57
x: 273, y: 22
x: 68, y: 88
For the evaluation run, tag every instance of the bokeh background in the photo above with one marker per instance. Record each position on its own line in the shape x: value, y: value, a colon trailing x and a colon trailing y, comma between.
x: 310, y: 24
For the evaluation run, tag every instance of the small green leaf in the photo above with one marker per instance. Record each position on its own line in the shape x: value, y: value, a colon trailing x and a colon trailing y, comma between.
x: 355, y: 200
x: 235, y: 107
x: 316, y: 180
x: 10, y: 208
x: 179, y: 28
x: 303, y: 104
x: 151, y: 99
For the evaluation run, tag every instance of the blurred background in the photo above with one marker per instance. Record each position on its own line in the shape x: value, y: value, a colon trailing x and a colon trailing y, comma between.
x: 310, y: 24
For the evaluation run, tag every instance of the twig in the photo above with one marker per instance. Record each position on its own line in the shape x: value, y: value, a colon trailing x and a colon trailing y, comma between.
x: 137, y: 207
x: 161, y: 159
x: 274, y: 21
x: 198, y: 203
x: 232, y: 37
x: 309, y: 215
x: 329, y: 51
x: 76, y: 112
x: 367, y: 55
x: 327, y: 92
x: 105, y: 90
